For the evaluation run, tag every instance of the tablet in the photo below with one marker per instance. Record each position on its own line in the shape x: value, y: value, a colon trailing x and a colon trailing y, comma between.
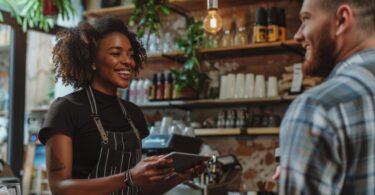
x: 183, y: 161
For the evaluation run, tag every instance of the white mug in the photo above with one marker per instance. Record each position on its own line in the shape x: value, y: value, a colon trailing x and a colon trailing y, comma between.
x: 240, y: 86
x: 223, y: 86
x: 249, y: 86
x: 166, y: 123
x: 260, y: 86
x: 272, y: 87
x: 230, y: 88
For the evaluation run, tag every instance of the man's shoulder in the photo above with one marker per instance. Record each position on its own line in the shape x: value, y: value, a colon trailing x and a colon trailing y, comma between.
x: 339, y: 90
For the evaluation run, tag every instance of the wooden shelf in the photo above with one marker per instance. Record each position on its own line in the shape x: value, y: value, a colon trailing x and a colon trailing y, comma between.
x: 251, y: 49
x: 205, y: 103
x: 40, y: 109
x: 114, y: 11
x: 210, y: 103
x: 165, y: 56
x: 236, y: 51
x: 182, y: 5
x: 214, y: 103
x: 236, y: 131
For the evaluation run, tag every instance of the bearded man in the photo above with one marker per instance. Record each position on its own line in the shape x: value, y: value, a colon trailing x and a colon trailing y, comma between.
x: 327, y: 137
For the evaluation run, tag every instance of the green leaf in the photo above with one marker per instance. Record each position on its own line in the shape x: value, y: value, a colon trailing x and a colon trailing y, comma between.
x: 165, y: 9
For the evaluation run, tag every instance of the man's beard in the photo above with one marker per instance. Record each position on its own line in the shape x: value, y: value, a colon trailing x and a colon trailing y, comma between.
x: 321, y: 60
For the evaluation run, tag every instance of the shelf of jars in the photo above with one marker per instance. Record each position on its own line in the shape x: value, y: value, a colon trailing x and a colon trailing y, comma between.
x: 252, y: 49
x: 214, y: 103
x: 236, y: 131
x: 235, y: 51
x: 184, y: 5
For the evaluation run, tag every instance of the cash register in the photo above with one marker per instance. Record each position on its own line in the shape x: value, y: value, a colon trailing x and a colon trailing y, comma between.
x: 158, y: 144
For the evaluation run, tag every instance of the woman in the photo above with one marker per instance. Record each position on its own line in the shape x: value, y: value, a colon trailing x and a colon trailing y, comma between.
x: 92, y: 137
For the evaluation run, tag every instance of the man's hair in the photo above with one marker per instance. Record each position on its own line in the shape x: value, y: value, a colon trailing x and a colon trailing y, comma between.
x: 76, y: 50
x: 364, y: 11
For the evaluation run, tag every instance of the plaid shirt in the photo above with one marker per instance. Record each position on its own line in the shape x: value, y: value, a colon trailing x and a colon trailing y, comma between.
x: 327, y: 136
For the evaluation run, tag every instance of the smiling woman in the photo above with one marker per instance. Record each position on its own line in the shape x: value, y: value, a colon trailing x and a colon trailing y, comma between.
x: 92, y: 138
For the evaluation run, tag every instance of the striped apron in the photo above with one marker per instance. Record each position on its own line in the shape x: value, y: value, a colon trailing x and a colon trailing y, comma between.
x: 119, y: 151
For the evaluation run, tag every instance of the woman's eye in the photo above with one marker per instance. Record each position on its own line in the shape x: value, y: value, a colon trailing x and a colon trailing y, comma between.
x: 115, y: 53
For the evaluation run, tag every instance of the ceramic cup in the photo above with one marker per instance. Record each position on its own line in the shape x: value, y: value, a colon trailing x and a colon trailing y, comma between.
x: 249, y: 86
x: 260, y: 86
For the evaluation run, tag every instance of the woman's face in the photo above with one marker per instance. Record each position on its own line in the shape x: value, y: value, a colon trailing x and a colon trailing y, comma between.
x: 114, y: 64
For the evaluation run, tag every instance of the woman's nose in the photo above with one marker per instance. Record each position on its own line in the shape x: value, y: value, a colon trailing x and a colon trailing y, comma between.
x: 126, y: 60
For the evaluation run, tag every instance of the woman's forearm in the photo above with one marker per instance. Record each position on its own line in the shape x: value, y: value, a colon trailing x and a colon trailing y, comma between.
x: 97, y: 186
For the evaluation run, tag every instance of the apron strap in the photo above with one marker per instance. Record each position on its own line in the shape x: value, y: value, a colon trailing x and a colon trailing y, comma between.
x: 95, y: 115
x: 135, y: 130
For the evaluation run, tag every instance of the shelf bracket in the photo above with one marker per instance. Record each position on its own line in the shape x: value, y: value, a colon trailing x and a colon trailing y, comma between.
x: 293, y: 49
x: 178, y: 59
x: 180, y: 12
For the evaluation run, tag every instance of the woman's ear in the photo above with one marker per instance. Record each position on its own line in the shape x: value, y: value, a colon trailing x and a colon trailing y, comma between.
x: 93, y: 67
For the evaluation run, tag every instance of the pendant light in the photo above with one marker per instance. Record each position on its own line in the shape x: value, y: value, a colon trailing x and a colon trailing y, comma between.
x: 212, y: 23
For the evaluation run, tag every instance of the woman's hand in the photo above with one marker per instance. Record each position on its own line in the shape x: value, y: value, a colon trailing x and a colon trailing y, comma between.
x: 151, y: 170
x: 192, y: 172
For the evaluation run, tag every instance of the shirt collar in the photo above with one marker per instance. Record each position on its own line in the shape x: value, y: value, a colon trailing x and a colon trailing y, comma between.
x: 355, y: 59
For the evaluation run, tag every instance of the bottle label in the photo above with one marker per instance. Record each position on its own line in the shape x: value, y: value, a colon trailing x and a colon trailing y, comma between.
x: 282, y: 33
x: 273, y: 33
x: 167, y: 91
x: 152, y: 92
x: 297, y: 79
x: 260, y: 34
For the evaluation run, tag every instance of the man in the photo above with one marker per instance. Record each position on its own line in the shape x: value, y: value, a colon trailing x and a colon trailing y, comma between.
x: 327, y: 136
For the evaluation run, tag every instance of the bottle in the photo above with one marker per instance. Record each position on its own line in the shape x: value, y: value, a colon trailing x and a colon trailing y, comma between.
x: 227, y: 38
x: 160, y: 87
x: 139, y: 92
x: 240, y: 37
x: 153, y: 88
x: 282, y: 24
x: 272, y: 26
x: 260, y: 26
x: 133, y: 91
x: 168, y: 88
x: 146, y: 90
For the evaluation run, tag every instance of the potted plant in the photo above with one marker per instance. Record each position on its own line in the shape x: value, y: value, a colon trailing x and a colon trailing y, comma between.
x: 7, y: 5
x: 146, y: 16
x: 34, y: 12
x: 33, y: 15
x: 189, y: 80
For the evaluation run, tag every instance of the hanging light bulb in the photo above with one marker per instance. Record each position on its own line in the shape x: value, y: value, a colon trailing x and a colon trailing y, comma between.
x: 212, y: 23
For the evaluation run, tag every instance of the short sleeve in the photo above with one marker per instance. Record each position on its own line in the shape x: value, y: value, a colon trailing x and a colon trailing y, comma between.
x: 59, y: 118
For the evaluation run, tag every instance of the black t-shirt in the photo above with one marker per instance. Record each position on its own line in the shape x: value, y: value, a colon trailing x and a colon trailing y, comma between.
x: 71, y: 115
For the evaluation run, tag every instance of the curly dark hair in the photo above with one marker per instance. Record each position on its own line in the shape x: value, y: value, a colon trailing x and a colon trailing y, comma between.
x: 76, y: 49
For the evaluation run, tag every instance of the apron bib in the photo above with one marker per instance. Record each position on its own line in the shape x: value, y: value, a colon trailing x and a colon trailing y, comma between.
x: 119, y: 151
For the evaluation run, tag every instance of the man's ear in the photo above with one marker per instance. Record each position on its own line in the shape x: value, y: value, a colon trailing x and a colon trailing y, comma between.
x: 344, y: 19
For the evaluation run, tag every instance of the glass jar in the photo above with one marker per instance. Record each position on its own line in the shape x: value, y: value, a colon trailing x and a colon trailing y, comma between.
x: 227, y: 39
x: 241, y: 37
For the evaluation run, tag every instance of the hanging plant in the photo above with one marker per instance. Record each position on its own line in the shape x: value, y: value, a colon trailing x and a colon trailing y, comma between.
x: 190, y: 76
x: 8, y: 6
x: 146, y: 16
x: 34, y: 16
